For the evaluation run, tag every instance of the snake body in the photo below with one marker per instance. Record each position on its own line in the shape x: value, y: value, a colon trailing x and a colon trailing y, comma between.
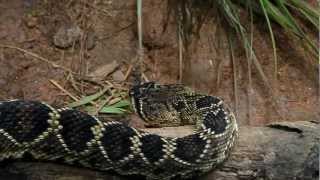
x: 47, y: 133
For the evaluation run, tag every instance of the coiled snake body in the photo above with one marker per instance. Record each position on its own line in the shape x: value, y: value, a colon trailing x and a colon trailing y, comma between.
x: 46, y: 133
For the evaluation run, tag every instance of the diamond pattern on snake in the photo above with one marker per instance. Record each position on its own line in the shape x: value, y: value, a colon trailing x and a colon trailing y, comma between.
x: 53, y: 134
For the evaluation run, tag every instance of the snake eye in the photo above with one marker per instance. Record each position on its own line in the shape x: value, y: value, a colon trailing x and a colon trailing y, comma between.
x: 131, y: 92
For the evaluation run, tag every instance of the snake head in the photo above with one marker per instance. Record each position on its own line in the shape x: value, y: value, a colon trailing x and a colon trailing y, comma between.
x: 159, y: 104
x: 140, y: 90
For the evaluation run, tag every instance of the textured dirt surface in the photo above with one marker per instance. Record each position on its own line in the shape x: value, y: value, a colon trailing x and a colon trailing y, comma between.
x: 109, y: 28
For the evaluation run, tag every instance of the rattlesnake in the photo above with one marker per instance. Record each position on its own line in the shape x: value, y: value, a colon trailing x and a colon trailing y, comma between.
x: 74, y: 137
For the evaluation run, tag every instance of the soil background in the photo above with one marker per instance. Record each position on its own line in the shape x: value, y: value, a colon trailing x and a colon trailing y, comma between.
x: 34, y: 51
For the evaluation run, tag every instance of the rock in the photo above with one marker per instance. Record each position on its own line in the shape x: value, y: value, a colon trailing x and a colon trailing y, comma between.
x: 118, y: 76
x: 67, y: 35
x: 311, y: 164
x: 103, y: 71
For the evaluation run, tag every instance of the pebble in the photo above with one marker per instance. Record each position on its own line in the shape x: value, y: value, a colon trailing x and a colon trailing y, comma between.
x: 67, y: 35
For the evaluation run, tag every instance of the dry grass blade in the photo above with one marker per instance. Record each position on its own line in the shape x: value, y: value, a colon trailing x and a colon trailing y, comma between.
x: 180, y: 55
x: 319, y: 56
x: 272, y: 40
x: 139, y: 17
x: 234, y: 69
x: 88, y: 99
x: 38, y: 57
x: 286, y: 13
x: 55, y: 83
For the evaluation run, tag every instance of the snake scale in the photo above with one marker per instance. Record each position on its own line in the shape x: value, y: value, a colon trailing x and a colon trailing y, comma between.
x: 74, y: 137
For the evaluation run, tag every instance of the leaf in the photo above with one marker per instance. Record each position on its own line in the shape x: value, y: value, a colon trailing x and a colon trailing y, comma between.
x: 120, y: 104
x: 112, y: 110
x: 87, y: 99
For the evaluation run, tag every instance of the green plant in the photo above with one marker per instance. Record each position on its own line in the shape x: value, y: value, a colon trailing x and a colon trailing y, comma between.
x: 290, y: 16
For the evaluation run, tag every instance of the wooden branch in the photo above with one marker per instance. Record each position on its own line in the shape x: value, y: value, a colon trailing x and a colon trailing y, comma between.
x: 286, y: 150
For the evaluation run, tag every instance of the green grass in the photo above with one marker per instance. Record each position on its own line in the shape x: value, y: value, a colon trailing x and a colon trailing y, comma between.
x: 294, y: 17
x: 100, y: 103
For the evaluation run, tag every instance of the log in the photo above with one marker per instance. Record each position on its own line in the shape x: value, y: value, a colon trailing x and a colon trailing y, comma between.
x: 283, y: 150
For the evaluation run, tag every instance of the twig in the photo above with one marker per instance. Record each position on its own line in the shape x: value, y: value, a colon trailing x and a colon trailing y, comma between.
x: 128, y: 72
x: 115, y: 33
x: 55, y: 83
x: 88, y: 80
x: 104, y: 103
x: 107, y: 12
x: 139, y: 27
x: 115, y: 100
x: 235, y: 81
x: 38, y: 57
x: 319, y: 56
x: 140, y: 51
x: 73, y: 82
x: 144, y: 76
x: 109, y: 84
x: 49, y: 62
x: 180, y: 55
